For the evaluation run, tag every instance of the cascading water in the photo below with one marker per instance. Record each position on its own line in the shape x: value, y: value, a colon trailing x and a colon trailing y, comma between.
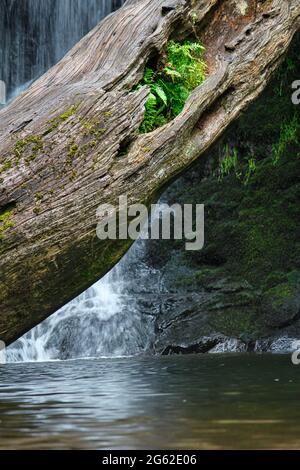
x: 107, y: 319
x: 35, y: 34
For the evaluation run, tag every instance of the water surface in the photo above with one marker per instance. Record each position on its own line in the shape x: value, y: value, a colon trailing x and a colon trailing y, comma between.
x: 196, y: 402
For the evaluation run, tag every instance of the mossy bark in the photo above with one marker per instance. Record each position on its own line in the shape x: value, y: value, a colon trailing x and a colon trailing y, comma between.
x: 62, y: 142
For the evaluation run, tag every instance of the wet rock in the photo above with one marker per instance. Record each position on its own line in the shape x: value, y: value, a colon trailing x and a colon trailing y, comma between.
x: 205, y: 345
x: 242, y: 291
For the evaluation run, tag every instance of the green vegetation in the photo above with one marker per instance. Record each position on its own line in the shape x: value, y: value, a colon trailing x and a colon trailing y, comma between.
x: 182, y: 70
x: 69, y: 113
x: 39, y: 196
x: 36, y: 143
x: 243, y: 167
x: 61, y: 118
x: 36, y: 210
x: 6, y: 166
x: 288, y: 136
x: 279, y: 294
x: 235, y: 323
x: 73, y: 149
x: 92, y: 127
x: 230, y: 164
x: 270, y: 128
x: 5, y: 220
x: 248, y: 273
x: 283, y: 74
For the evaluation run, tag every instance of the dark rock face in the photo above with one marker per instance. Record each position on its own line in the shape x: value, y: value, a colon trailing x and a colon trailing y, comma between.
x: 243, y: 289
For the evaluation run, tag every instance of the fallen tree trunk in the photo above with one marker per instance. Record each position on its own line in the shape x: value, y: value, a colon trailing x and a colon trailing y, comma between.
x: 71, y: 141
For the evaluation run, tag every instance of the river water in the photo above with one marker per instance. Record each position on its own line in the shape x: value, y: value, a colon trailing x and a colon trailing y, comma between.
x: 212, y: 401
x: 184, y: 402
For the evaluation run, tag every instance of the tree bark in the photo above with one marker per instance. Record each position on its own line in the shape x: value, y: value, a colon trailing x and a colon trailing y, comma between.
x: 71, y: 141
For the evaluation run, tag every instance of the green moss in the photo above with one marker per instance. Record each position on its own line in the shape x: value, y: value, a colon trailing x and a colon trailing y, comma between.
x: 240, y: 324
x: 6, y: 220
x: 89, y: 124
x: 36, y: 210
x: 273, y: 279
x: 293, y: 278
x: 146, y: 149
x: 283, y: 286
x: 55, y: 122
x: 73, y: 150
x: 89, y: 145
x: 6, y: 166
x: 279, y: 294
x: 181, y: 71
x: 93, y: 127
x: 73, y: 175
x: 251, y: 230
x: 34, y: 143
x: 207, y: 275
x: 39, y: 196
x: 68, y: 113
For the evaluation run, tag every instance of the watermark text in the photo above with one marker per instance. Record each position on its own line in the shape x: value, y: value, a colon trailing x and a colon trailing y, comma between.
x: 161, y: 222
x: 296, y: 94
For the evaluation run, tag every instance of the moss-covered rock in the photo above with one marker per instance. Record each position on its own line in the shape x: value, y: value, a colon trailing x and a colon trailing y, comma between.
x: 245, y: 283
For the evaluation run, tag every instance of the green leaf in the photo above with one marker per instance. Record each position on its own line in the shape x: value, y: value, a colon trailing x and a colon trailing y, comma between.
x: 160, y: 93
x: 171, y: 83
x: 152, y: 98
x: 172, y: 73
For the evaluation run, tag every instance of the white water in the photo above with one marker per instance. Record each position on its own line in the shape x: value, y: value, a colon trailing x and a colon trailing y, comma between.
x: 106, y: 320
x: 35, y: 34
x: 98, y: 304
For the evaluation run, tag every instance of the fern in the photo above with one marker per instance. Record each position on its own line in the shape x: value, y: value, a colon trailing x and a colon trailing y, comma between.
x: 150, y: 114
x: 186, y: 60
x: 183, y: 70
x: 229, y: 163
x: 148, y: 76
x: 289, y: 133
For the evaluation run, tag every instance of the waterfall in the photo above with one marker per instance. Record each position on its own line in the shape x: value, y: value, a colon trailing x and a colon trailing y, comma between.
x: 105, y: 321
x: 35, y: 34
x: 110, y: 318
